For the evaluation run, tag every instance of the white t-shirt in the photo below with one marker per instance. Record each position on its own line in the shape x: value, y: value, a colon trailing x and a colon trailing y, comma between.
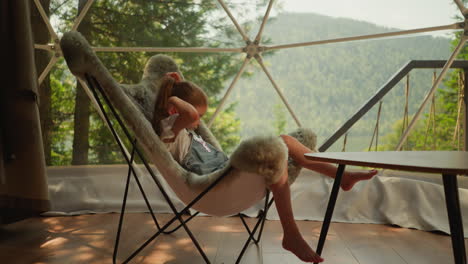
x: 181, y: 145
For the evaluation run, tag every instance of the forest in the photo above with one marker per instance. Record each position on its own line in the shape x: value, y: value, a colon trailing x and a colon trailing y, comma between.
x: 324, y: 84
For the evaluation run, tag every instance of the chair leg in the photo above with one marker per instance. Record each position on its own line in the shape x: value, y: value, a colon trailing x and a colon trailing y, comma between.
x: 179, y: 218
x: 92, y: 82
x: 142, y: 191
x: 251, y: 237
x: 267, y: 207
x: 122, y: 213
x: 180, y: 225
x: 159, y: 232
x: 260, y: 222
x: 131, y: 171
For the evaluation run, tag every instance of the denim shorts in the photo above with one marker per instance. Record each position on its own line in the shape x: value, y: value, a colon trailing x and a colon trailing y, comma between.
x: 203, y: 158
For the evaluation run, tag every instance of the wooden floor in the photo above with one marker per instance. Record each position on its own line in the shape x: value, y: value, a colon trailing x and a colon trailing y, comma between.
x: 90, y: 239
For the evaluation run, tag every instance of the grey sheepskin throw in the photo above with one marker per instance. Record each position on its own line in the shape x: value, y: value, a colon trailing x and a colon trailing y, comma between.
x: 266, y: 156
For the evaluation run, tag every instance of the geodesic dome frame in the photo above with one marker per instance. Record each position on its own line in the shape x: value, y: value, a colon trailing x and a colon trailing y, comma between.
x: 253, y: 49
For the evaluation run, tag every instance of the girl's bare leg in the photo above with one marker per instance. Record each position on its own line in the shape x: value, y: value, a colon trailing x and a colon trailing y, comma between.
x: 292, y: 238
x: 297, y: 151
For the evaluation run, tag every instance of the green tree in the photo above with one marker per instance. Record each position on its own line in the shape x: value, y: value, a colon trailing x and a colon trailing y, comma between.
x: 442, y: 135
x: 63, y: 105
x: 226, y: 127
x: 82, y: 107
x: 136, y: 23
x: 279, y: 122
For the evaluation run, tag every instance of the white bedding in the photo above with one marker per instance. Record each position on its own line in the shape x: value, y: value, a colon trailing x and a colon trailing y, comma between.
x: 401, y: 198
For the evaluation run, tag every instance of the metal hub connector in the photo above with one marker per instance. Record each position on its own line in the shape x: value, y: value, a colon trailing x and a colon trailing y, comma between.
x: 253, y: 49
x: 55, y: 47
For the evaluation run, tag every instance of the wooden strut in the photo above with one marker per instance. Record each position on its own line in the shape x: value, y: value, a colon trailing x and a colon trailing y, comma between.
x: 461, y: 89
x: 432, y: 118
x: 406, y: 111
x: 345, y: 140
x: 376, y: 129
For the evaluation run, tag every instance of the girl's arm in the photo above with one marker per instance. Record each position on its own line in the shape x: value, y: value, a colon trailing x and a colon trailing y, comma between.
x: 188, y: 115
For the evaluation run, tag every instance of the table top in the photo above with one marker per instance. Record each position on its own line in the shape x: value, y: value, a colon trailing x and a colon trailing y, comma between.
x: 447, y: 162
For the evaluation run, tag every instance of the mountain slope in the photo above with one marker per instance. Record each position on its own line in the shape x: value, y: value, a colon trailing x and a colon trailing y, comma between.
x: 325, y: 84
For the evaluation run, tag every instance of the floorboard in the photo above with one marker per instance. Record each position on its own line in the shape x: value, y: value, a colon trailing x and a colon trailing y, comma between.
x: 91, y: 238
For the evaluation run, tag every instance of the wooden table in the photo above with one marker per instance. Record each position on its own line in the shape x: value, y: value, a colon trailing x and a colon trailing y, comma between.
x: 446, y: 163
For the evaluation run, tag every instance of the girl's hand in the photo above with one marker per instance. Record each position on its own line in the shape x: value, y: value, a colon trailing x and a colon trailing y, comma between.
x: 177, y: 105
x: 175, y: 75
x: 188, y: 114
x: 171, y: 109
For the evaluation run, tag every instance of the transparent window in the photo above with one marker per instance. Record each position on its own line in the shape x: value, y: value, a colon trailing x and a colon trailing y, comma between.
x: 299, y: 63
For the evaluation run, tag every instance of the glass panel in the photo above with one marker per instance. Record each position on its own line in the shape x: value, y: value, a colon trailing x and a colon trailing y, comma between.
x: 326, y: 84
x: 323, y: 84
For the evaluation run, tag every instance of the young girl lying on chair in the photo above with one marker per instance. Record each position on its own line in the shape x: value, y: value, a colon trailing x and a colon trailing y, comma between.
x: 178, y: 109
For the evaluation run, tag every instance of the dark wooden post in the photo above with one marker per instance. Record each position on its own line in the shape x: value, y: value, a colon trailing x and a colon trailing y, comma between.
x: 23, y: 192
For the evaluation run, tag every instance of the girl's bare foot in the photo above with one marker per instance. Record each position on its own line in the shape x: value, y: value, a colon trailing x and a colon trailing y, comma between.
x: 299, y: 247
x: 351, y: 178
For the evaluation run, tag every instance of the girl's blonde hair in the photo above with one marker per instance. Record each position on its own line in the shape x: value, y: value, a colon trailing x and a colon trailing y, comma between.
x: 185, y: 90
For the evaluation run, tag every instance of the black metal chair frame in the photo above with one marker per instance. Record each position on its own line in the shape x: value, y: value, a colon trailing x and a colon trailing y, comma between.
x: 95, y: 87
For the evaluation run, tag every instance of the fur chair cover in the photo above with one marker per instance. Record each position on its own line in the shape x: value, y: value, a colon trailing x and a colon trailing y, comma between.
x: 262, y: 157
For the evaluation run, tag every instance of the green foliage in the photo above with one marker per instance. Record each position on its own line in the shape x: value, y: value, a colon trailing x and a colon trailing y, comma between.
x: 103, y: 147
x: 279, y: 121
x: 225, y: 127
x: 63, y: 105
x: 424, y: 136
x: 326, y: 84
x: 391, y: 139
x: 437, y: 133
x: 142, y: 23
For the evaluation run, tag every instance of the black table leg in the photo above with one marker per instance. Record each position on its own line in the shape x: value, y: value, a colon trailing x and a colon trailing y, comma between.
x: 455, y: 219
x: 330, y: 208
